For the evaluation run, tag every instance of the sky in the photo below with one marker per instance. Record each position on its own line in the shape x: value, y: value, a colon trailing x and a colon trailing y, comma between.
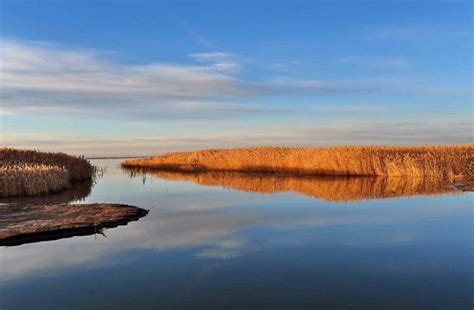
x: 136, y: 78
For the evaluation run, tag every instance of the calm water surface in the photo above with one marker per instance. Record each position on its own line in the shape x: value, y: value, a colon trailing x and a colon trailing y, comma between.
x: 220, y: 242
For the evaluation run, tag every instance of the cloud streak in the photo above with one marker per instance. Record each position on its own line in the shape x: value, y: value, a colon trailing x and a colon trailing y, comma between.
x: 220, y: 61
x: 45, y: 78
x: 393, y: 62
x: 41, y: 76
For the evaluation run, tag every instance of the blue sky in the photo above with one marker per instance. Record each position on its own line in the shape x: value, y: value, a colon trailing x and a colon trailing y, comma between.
x: 144, y: 77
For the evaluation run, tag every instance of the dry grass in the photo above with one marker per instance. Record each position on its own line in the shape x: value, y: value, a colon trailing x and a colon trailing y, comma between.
x: 448, y: 162
x: 31, y: 173
x: 321, y: 187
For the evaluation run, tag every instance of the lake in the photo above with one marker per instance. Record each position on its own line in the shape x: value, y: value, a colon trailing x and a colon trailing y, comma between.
x: 236, y: 241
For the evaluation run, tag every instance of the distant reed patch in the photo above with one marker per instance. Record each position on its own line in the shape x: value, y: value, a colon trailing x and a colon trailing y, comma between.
x: 449, y: 162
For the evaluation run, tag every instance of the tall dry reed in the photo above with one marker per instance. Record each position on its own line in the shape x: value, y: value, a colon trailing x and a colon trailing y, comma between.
x: 31, y: 173
x: 448, y: 162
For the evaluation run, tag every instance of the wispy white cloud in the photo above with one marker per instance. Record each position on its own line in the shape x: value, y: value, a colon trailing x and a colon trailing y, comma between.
x: 44, y: 78
x: 388, y: 85
x: 46, y: 57
x: 41, y: 77
x: 223, y: 62
x: 413, y: 32
x: 211, y: 57
x: 392, y: 62
x: 40, y: 68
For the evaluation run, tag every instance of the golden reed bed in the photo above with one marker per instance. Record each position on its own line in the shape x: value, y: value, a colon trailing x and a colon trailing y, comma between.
x: 31, y: 173
x: 321, y: 187
x: 447, y: 162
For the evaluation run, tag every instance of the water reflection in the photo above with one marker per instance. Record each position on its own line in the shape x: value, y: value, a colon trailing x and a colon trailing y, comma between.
x: 78, y: 192
x: 214, y: 228
x: 209, y: 247
x: 327, y: 188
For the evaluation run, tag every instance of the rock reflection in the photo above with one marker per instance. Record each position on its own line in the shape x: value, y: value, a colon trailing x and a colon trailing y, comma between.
x: 321, y: 187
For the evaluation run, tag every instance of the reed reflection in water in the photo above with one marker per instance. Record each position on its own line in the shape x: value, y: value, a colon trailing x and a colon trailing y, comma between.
x: 78, y: 192
x: 320, y: 187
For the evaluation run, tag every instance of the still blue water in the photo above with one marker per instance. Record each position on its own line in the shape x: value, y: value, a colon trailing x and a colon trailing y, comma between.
x: 211, y: 247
